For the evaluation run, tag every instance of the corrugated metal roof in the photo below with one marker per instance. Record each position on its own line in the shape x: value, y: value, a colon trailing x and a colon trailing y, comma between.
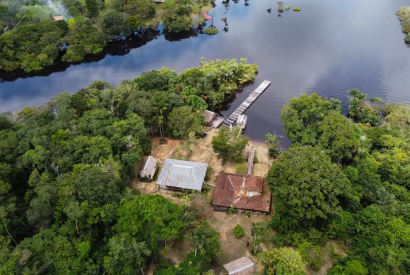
x: 182, y: 174
x: 149, y: 167
x: 238, y: 265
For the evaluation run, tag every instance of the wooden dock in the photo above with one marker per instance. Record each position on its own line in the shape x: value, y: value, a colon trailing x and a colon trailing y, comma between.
x: 251, y: 157
x: 248, y: 102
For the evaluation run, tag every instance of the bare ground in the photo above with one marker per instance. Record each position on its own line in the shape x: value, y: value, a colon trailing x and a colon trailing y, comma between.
x: 203, y: 152
x: 232, y: 248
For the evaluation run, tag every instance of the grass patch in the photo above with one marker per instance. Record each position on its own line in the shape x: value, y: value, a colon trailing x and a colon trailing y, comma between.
x: 211, y: 31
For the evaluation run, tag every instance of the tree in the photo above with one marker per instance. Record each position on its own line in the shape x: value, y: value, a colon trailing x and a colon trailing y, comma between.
x: 302, y: 115
x: 229, y: 143
x: 337, y: 135
x: 273, y: 144
x: 113, y: 23
x: 178, y: 20
x: 283, y: 261
x: 257, y: 235
x: 308, y: 184
x: 141, y: 8
x: 353, y: 267
x: 63, y: 105
x: 355, y: 101
x: 126, y: 256
x: 205, y: 241
x: 152, y: 219
x: 182, y: 121
x: 93, y: 8
x: 397, y: 114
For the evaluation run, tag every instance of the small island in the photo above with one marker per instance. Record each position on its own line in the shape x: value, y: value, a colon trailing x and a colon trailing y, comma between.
x: 211, y: 30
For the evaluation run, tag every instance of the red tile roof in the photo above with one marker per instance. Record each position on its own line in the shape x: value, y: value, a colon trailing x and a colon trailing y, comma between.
x: 242, y: 192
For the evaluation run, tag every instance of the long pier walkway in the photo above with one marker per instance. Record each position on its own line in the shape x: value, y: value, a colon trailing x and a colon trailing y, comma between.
x: 245, y: 105
x: 251, y: 157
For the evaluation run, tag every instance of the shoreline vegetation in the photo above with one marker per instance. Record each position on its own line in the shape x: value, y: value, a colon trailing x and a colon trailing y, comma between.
x: 404, y: 16
x: 31, y: 38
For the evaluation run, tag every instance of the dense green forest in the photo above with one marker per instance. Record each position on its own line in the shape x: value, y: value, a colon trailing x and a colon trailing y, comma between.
x: 30, y: 38
x: 404, y: 16
x: 345, y: 179
x: 66, y: 167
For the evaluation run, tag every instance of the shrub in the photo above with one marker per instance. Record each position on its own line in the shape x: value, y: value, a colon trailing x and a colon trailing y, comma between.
x: 233, y: 210
x: 283, y: 261
x: 209, y: 172
x: 256, y: 160
x: 240, y: 168
x: 238, y: 231
x: 297, y: 9
x: 312, y: 254
x: 211, y: 30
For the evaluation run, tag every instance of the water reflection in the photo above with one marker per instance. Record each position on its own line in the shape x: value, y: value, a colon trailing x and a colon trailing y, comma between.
x: 329, y: 47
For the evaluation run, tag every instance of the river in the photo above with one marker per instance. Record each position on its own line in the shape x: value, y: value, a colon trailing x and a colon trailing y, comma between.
x: 328, y: 47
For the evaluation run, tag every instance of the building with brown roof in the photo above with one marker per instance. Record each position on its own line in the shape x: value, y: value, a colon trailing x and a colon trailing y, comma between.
x: 242, y: 266
x: 249, y: 193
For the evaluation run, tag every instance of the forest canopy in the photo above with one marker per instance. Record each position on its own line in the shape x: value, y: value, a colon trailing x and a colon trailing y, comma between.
x: 31, y: 39
x: 66, y: 169
x: 345, y: 179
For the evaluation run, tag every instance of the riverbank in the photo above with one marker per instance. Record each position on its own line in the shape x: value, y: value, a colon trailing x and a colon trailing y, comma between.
x: 76, y: 34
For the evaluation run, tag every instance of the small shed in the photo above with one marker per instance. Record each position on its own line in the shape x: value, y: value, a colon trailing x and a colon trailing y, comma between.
x: 58, y: 18
x: 180, y: 174
x: 242, y: 266
x: 149, y: 168
x: 209, y: 116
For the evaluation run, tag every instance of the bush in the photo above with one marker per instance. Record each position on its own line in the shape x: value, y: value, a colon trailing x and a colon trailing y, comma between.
x: 312, y: 254
x: 255, y: 160
x: 240, y: 168
x: 209, y: 172
x: 297, y: 9
x: 238, y: 231
x: 283, y: 261
x: 211, y: 30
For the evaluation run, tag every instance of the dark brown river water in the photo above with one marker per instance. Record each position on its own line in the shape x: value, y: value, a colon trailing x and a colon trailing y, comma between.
x: 329, y: 47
